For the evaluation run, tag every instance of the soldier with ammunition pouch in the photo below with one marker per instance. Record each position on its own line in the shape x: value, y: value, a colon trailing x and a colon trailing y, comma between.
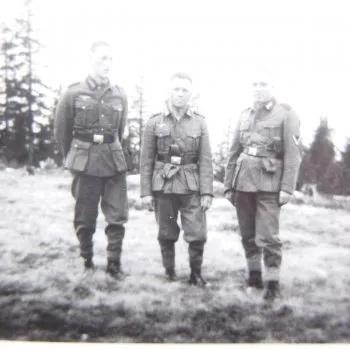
x: 260, y: 177
x: 177, y: 176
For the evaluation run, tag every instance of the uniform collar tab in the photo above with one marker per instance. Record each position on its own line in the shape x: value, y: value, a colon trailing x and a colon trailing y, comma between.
x: 92, y: 83
x: 267, y: 105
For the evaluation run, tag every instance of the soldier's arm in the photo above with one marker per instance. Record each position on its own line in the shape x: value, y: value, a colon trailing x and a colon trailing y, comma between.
x: 292, y: 155
x: 206, y: 176
x: 63, y: 124
x: 147, y: 158
x: 233, y: 154
x: 123, y: 121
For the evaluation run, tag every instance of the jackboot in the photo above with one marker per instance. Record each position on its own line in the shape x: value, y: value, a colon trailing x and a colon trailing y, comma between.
x: 196, y: 279
x: 171, y: 275
x: 255, y: 280
x: 114, y: 269
x: 89, y: 264
x: 272, y: 291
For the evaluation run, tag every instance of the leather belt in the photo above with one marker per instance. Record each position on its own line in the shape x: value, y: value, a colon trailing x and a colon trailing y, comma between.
x: 94, y: 138
x: 166, y: 158
x: 258, y: 151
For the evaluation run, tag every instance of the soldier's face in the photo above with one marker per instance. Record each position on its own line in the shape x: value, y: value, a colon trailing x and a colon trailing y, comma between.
x: 180, y: 92
x: 262, y: 91
x: 101, y: 62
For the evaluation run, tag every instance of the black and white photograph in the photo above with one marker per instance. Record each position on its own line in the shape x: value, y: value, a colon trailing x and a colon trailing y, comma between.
x: 174, y: 172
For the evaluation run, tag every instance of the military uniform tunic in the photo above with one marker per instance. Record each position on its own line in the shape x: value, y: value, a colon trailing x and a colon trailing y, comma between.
x: 264, y: 159
x: 177, y: 186
x: 89, y: 124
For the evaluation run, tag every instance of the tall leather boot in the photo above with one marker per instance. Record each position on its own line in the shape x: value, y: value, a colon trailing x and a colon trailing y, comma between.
x: 167, y: 248
x: 272, y: 291
x: 255, y: 280
x: 195, y: 250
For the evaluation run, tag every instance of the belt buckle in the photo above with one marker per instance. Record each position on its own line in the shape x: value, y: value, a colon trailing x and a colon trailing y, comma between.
x: 98, y: 138
x: 175, y: 160
x: 252, y: 151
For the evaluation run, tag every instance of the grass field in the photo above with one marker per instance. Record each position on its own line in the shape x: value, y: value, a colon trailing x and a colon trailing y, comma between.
x: 46, y: 295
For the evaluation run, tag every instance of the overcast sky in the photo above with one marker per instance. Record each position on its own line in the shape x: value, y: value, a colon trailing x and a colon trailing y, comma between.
x: 305, y: 46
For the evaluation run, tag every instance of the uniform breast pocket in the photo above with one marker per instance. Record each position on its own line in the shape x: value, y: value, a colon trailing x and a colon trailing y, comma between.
x: 163, y: 139
x: 271, y: 131
x: 84, y: 106
x: 117, y: 108
x: 115, y: 113
x: 193, y: 139
x: 244, y: 132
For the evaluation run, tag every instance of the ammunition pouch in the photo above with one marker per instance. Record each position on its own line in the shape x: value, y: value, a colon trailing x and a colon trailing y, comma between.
x: 169, y: 170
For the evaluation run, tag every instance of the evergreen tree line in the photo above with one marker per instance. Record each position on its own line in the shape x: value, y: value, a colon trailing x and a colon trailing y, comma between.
x: 25, y: 100
x: 27, y: 105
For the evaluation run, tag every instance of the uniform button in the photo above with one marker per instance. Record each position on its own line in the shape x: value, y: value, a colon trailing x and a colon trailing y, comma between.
x: 102, y: 115
x: 102, y: 101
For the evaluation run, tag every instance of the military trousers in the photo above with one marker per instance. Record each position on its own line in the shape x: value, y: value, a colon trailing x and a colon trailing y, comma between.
x: 258, y: 217
x: 193, y: 222
x: 111, y: 192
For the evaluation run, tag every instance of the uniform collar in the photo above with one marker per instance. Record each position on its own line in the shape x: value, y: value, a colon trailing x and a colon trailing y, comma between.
x: 268, y: 105
x: 92, y: 83
x: 167, y: 111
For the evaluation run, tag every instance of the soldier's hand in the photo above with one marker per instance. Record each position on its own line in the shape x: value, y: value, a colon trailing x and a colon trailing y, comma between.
x: 230, y: 196
x: 284, y: 197
x: 148, y: 202
x: 206, y: 202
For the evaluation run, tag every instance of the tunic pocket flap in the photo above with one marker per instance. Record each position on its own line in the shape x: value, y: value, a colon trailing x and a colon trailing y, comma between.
x: 117, y: 106
x: 115, y: 146
x: 194, y: 133
x: 271, y: 165
x: 80, y: 144
x: 84, y: 102
x: 162, y: 132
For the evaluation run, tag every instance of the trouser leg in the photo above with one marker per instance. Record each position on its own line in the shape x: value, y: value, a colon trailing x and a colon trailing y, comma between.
x: 114, y: 205
x: 168, y: 229
x: 195, y: 253
x: 246, y: 213
x: 86, y: 192
x: 267, y: 233
x: 194, y: 224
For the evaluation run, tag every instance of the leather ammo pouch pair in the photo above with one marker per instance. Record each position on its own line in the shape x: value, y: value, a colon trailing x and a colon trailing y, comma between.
x: 170, y: 169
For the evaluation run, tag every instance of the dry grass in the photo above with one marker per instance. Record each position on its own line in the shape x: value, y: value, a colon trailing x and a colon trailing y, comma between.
x: 45, y: 294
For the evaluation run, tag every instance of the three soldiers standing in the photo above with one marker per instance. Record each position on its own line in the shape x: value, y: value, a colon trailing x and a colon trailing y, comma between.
x: 177, y: 172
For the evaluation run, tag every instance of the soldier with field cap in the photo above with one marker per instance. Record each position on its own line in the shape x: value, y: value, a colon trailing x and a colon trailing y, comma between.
x: 89, y: 125
x: 260, y: 177
x: 177, y: 176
